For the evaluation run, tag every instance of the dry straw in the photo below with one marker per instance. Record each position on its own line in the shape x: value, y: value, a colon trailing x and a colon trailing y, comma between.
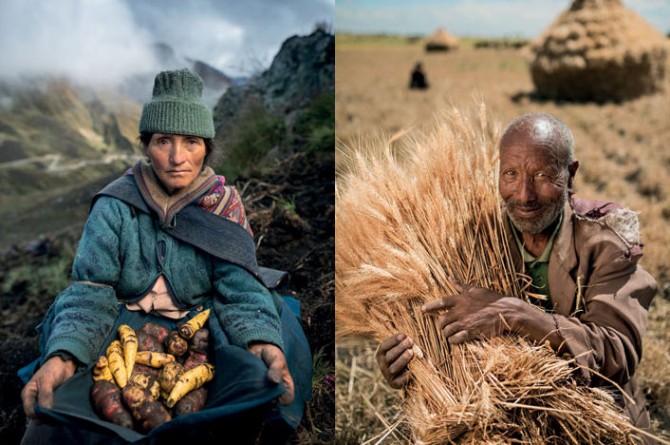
x: 599, y: 50
x: 409, y: 219
x: 441, y: 40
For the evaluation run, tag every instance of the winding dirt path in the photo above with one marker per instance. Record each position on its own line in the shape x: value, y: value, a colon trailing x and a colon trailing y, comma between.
x: 55, y: 164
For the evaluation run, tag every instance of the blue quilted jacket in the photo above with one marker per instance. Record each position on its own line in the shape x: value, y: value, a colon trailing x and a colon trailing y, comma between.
x: 121, y: 254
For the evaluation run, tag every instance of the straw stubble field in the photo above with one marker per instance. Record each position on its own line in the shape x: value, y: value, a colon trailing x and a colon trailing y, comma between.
x: 623, y: 154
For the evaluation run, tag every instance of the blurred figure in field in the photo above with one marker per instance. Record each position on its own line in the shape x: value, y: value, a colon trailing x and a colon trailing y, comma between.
x: 418, y: 78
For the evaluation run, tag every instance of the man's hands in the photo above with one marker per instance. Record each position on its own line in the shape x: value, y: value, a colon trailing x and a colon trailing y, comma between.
x: 393, y: 355
x: 469, y: 314
x: 41, y: 386
x: 473, y: 313
x: 274, y: 359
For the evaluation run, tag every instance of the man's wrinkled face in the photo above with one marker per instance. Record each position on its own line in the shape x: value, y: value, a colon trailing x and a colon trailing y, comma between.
x: 531, y: 184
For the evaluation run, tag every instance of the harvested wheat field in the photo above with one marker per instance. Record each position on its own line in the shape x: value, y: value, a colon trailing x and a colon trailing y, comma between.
x: 623, y: 154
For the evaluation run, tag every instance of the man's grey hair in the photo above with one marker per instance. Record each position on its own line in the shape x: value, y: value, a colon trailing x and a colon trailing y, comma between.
x: 547, y: 129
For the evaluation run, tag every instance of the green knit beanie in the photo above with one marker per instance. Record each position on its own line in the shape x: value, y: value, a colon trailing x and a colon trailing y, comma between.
x: 177, y: 107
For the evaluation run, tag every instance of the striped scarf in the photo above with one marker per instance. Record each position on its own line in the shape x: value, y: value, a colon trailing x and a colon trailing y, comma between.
x: 208, y: 191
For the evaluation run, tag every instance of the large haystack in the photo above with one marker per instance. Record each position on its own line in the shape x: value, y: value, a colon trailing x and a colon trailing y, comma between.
x: 408, y: 224
x: 441, y: 40
x: 599, y: 50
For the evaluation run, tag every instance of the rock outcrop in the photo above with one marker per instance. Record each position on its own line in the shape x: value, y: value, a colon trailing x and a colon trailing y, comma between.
x: 303, y: 69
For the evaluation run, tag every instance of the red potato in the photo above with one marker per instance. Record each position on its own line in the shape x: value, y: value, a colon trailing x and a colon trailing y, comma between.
x: 192, y: 402
x: 157, y: 331
x: 148, y: 412
x: 200, y: 341
x: 153, y: 414
x: 194, y: 359
x: 176, y: 345
x: 133, y: 397
x: 146, y: 342
x: 106, y: 398
x: 146, y: 381
x: 144, y: 369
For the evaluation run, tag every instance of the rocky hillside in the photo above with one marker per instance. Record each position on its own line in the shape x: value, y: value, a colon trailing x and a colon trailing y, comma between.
x: 303, y: 69
x: 291, y: 105
x: 277, y: 133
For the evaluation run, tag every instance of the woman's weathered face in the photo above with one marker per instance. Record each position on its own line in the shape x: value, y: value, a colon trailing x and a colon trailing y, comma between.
x: 176, y: 159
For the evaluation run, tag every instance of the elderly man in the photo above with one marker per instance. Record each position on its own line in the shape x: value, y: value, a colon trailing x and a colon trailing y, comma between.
x: 582, y: 257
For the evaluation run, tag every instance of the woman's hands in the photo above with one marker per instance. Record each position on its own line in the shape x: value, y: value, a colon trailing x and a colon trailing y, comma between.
x: 274, y: 359
x: 393, y: 356
x: 474, y: 313
x: 41, y: 386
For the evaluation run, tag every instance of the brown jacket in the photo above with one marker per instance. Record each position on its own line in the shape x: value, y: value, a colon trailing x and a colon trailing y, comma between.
x: 603, y: 321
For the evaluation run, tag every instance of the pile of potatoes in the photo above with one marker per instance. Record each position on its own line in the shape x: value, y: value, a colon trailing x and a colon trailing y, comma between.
x: 149, y: 376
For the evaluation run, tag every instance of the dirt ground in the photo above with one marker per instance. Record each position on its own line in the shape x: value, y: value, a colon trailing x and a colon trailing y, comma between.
x: 623, y: 154
x: 291, y: 212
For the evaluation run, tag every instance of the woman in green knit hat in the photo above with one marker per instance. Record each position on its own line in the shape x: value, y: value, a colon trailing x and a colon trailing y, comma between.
x: 163, y: 242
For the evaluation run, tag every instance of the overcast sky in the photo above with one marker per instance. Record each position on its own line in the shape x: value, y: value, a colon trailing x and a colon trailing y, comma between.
x: 105, y: 39
x: 523, y: 18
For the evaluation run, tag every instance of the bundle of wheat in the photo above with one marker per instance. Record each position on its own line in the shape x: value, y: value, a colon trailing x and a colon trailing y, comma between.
x: 599, y: 50
x: 412, y: 220
x: 441, y: 40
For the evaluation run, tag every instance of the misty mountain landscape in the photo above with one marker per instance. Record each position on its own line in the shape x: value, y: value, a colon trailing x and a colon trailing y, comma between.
x: 60, y: 141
